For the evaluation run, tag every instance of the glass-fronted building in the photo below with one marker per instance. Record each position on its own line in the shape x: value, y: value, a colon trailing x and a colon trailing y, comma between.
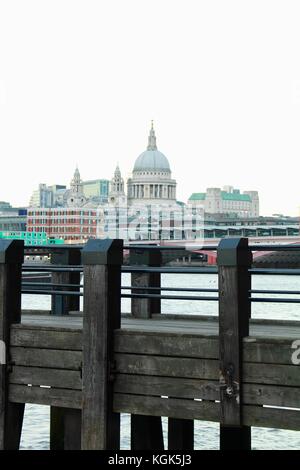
x: 96, y: 189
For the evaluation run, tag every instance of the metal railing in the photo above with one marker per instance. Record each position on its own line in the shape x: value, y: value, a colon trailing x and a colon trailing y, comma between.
x: 154, y: 292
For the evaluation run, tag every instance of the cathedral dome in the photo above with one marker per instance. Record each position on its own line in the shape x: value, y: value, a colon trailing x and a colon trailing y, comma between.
x: 152, y: 159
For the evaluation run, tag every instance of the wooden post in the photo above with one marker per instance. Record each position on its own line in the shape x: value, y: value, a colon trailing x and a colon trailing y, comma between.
x: 102, y: 260
x: 11, y: 414
x: 61, y: 304
x: 63, y: 435
x: 234, y: 261
x: 180, y: 434
x: 146, y: 431
x: 145, y: 308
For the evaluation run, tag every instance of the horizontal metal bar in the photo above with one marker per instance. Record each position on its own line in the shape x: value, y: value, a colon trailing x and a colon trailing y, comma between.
x: 261, y: 247
x: 49, y: 284
x: 126, y: 269
x: 52, y: 247
x: 51, y: 292
x: 275, y: 300
x: 170, y: 270
x: 166, y: 297
x: 175, y: 289
x: 187, y: 248
x: 287, y: 271
x: 175, y: 297
x: 157, y: 296
x: 262, y: 291
x: 293, y: 247
x: 52, y: 268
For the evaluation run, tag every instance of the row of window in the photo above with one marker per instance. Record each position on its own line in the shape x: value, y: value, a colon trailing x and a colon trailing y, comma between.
x: 64, y: 230
x: 62, y: 222
x: 60, y: 213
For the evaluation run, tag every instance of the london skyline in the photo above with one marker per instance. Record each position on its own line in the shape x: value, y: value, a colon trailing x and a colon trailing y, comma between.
x: 224, y: 96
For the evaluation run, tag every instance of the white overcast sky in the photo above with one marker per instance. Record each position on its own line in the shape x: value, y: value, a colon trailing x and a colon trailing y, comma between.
x: 80, y: 82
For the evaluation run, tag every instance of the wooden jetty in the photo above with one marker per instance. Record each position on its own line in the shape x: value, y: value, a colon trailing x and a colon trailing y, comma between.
x: 90, y: 368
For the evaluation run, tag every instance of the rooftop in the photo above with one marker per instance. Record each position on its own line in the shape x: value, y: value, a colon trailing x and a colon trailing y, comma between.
x: 226, y: 196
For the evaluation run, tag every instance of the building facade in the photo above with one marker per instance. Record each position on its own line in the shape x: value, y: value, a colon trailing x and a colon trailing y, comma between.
x: 96, y: 190
x: 227, y: 201
x: 222, y: 225
x: 12, y: 219
x: 72, y: 224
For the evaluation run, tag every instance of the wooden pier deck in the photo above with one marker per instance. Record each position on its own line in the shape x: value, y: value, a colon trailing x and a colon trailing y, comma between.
x: 170, y: 323
x: 93, y: 366
x: 160, y: 357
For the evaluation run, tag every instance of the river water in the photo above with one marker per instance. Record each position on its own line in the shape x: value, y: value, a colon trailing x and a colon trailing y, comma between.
x: 35, y: 433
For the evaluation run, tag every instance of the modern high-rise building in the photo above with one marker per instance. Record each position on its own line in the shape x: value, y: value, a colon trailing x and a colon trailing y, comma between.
x: 97, y: 190
x: 48, y: 196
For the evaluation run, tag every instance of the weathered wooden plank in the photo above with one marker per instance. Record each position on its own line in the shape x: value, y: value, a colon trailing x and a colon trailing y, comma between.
x: 48, y: 338
x: 271, y: 417
x: 167, y: 366
x: 51, y: 377
x: 164, y: 344
x: 204, y: 369
x: 60, y: 397
x: 258, y: 394
x: 102, y: 261
x: 166, y: 386
x: 268, y: 351
x: 273, y: 351
x: 52, y: 358
x: 170, y: 407
x: 253, y: 394
x: 272, y: 374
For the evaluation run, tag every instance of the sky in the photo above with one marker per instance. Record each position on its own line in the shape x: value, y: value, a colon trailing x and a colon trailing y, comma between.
x: 80, y: 82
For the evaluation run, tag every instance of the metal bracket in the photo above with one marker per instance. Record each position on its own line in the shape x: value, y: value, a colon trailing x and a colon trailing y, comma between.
x: 227, y: 384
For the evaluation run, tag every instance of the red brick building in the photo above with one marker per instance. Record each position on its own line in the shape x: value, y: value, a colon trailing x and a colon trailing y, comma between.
x: 68, y: 223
